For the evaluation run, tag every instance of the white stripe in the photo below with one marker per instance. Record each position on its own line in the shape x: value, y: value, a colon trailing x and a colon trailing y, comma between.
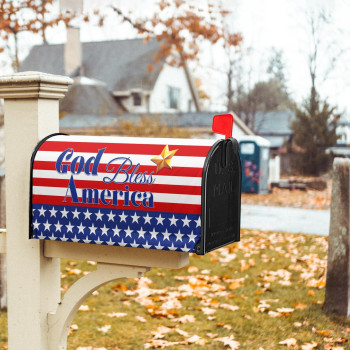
x: 176, y: 161
x: 159, y: 180
x: 158, y: 197
x: 133, y: 140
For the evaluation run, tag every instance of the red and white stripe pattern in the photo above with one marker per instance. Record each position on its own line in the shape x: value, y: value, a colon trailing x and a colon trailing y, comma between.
x: 176, y: 190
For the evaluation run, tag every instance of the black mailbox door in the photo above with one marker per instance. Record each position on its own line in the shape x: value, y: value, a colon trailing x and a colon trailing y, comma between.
x: 221, y: 197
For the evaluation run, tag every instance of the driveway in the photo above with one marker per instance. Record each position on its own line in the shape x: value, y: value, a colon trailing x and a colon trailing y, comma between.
x: 285, y: 219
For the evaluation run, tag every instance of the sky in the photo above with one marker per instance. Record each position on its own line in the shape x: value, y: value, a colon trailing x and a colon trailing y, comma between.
x: 264, y: 24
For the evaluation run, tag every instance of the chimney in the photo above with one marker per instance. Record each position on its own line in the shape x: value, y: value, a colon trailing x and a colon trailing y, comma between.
x: 73, y: 53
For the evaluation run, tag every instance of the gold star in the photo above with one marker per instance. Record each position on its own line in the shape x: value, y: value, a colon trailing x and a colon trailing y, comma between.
x: 163, y: 160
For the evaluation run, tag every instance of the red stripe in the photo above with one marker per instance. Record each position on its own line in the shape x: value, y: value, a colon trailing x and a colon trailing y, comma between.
x: 177, y: 189
x: 175, y: 171
x: 125, y: 148
x: 160, y: 207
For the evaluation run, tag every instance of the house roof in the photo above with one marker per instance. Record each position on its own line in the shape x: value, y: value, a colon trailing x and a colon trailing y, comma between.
x: 274, y: 122
x: 121, y: 64
x: 88, y: 96
x: 201, y: 120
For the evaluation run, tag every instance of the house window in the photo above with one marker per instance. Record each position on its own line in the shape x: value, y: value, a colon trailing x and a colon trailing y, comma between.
x: 137, y: 98
x: 173, y: 97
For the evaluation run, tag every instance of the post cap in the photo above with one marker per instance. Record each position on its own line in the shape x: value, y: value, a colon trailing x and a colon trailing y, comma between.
x: 26, y: 85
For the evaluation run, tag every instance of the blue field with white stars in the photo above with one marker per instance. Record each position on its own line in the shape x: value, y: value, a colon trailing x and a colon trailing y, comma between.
x: 125, y: 228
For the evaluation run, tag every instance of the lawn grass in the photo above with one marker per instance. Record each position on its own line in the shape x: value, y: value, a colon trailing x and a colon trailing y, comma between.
x: 263, y: 290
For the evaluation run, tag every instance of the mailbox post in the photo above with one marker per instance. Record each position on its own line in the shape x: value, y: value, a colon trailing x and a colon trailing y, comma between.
x: 31, y: 112
x: 46, y: 220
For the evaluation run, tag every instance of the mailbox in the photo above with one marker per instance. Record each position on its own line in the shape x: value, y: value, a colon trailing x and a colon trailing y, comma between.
x: 153, y: 193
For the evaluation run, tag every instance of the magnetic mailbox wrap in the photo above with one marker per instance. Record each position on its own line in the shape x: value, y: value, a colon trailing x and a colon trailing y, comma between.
x: 153, y: 193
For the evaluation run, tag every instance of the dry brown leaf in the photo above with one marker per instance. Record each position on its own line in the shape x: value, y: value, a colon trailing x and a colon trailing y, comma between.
x: 105, y: 328
x: 290, y: 342
x: 195, y: 339
x: 299, y: 305
x: 324, y: 332
x: 229, y: 341
x: 117, y: 314
x: 84, y: 308
x: 311, y: 293
x: 192, y: 269
x: 186, y: 319
x: 309, y: 346
x: 140, y: 319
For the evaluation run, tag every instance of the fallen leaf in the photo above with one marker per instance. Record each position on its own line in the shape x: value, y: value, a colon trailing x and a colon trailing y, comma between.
x: 299, y: 305
x: 105, y: 328
x: 285, y: 310
x: 84, y: 308
x: 186, y: 319
x: 192, y: 269
x: 117, y: 314
x: 289, y: 342
x: 309, y: 346
x: 229, y: 341
x: 140, y: 319
x: 208, y: 311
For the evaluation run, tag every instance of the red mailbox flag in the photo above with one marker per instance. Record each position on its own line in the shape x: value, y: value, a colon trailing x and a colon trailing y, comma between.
x: 222, y: 124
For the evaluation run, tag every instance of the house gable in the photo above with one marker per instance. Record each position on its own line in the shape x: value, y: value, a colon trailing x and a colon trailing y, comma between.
x: 172, y: 92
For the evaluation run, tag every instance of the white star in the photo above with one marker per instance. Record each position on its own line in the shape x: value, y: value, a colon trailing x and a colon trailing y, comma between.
x: 198, y: 221
x: 134, y: 245
x: 47, y: 226
x: 173, y: 220
x: 64, y: 239
x: 93, y: 229
x: 111, y: 216
x: 172, y: 247
x: 87, y: 240
x: 192, y: 237
x: 179, y: 236
x: 160, y: 220
x: 110, y: 242
x: 159, y: 246
x: 104, y: 230
x: 36, y: 224
x: 41, y: 236
x: 69, y: 227
x: 81, y: 228
x: 34, y: 210
x: 147, y: 246
x: 166, y: 235
x: 87, y: 214
x: 141, y: 233
x: 53, y: 212
x: 42, y: 211
x: 64, y: 213
x: 185, y: 249
x: 186, y: 221
x: 122, y: 243
x: 153, y: 234
x: 98, y: 241
x: 128, y: 232
x: 52, y: 237
x: 123, y: 217
x: 147, y: 219
x: 135, y: 218
x: 116, y: 231
x: 75, y: 239
x: 58, y: 226
x: 75, y: 213
x: 99, y: 215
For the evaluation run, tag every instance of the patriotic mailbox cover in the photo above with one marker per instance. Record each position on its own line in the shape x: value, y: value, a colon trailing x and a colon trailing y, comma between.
x: 153, y: 193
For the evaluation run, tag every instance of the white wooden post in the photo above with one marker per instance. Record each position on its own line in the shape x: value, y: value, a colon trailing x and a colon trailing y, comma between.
x: 33, y: 281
